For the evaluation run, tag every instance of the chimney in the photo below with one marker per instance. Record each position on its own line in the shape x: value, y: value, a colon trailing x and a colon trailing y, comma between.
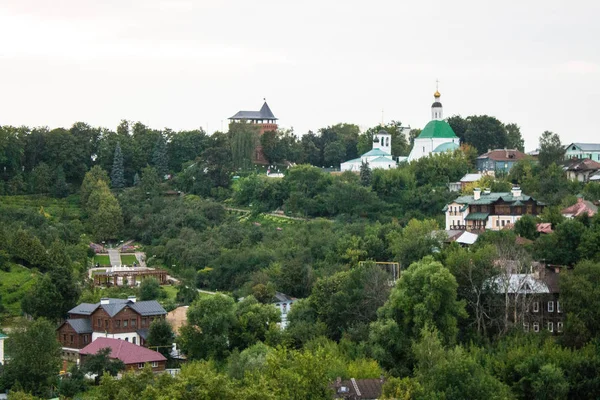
x: 516, y: 191
x: 476, y: 194
x: 131, y: 299
x: 487, y: 191
x: 104, y: 300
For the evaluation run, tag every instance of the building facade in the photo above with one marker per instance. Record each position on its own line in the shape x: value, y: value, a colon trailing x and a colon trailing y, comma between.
x: 489, y: 211
x: 379, y: 157
x: 2, y: 339
x: 263, y: 121
x: 127, y: 320
x: 581, y: 170
x: 436, y: 137
x: 499, y: 161
x: 590, y: 151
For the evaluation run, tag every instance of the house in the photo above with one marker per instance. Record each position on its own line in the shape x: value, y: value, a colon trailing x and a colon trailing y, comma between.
x: 127, y: 319
x: 581, y: 207
x: 462, y: 237
x: 284, y: 303
x: 580, y: 170
x: 134, y: 357
x: 3, y: 337
x: 437, y: 136
x: 358, y: 389
x: 487, y: 210
x: 469, y: 178
x: 534, y: 298
x: 590, y: 151
x: 263, y: 120
x: 499, y: 161
x: 379, y: 157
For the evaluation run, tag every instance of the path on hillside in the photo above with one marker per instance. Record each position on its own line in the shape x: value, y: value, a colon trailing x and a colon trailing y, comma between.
x: 115, y: 257
x: 241, y: 210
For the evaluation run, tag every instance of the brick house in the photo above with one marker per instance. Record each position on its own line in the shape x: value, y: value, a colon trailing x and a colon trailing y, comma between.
x: 134, y: 357
x: 128, y: 320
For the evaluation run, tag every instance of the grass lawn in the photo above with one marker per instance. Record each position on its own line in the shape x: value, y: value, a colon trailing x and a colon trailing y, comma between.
x: 102, y: 260
x: 67, y: 208
x: 13, y: 286
x: 170, y: 290
x: 128, y: 259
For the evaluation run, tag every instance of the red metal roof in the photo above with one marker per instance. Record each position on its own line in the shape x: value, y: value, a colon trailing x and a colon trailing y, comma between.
x: 127, y: 352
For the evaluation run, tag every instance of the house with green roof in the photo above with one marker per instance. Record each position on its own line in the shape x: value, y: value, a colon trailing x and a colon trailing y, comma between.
x: 379, y: 157
x: 3, y: 337
x: 437, y: 136
x: 490, y: 210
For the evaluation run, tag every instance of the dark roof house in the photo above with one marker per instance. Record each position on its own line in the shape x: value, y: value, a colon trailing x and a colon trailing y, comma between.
x: 114, y: 306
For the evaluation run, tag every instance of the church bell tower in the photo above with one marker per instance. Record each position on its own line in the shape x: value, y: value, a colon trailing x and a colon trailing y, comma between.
x: 436, y: 107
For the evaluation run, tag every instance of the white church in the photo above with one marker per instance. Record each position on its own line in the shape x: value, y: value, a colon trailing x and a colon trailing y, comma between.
x: 379, y: 157
x: 437, y: 136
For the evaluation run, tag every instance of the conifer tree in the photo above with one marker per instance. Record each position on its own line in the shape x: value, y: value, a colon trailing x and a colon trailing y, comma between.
x: 365, y: 174
x: 160, y: 158
x: 117, y: 175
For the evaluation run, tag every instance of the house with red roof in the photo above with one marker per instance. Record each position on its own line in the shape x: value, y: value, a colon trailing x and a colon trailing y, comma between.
x: 581, y: 207
x: 133, y: 356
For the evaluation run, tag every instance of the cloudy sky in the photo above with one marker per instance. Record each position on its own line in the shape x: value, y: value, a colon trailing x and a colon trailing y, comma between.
x: 189, y: 63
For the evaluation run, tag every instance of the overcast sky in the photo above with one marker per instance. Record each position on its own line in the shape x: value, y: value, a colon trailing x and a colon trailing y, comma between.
x: 183, y: 64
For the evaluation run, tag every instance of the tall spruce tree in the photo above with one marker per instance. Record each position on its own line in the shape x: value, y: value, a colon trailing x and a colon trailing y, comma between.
x: 117, y: 175
x: 160, y: 158
x: 365, y: 174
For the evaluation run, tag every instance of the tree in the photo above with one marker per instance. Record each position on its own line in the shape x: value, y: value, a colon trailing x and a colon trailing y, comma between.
x: 101, y: 362
x: 551, y: 149
x: 207, y: 332
x: 254, y: 320
x: 160, y: 158
x: 515, y: 140
x: 41, y: 178
x: 425, y: 295
x: 95, y: 174
x: 417, y: 240
x: 365, y: 174
x: 459, y: 125
x: 161, y: 336
x: 580, y: 300
x: 149, y: 289
x: 526, y: 227
x: 485, y: 133
x: 105, y: 216
x: 34, y: 357
x: 117, y: 173
x: 243, y: 138
x: 149, y: 184
x: 61, y: 188
x: 334, y: 153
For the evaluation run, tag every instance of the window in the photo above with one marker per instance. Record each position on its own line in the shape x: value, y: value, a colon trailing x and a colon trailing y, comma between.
x: 559, y: 326
x: 125, y: 323
x: 86, y: 338
x: 118, y: 323
x: 140, y: 365
x: 558, y: 306
x: 536, y: 306
x: 143, y: 321
x: 71, y: 338
x: 526, y: 326
x: 502, y: 222
x: 550, y: 326
x: 99, y: 322
x: 423, y: 149
x: 64, y: 337
x: 106, y: 323
x: 536, y: 327
x: 133, y: 322
x: 550, y: 306
x: 154, y: 364
x: 133, y: 340
x: 127, y: 339
x: 497, y: 222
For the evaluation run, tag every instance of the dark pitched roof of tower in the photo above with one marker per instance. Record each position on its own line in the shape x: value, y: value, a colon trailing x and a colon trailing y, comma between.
x: 264, y: 113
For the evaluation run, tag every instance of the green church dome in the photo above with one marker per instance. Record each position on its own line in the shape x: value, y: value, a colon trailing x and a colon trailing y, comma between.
x: 449, y: 146
x: 437, y: 130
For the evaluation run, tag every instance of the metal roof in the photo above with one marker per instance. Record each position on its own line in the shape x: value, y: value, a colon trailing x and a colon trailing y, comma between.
x: 437, y: 129
x: 114, y: 306
x: 264, y: 113
x: 376, y: 153
x: 477, y: 216
x: 125, y: 351
x: 150, y: 307
x: 585, y: 146
x: 80, y: 325
x: 382, y: 159
x: 519, y: 283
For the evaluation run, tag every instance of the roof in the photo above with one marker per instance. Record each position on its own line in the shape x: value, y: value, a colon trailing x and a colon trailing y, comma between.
x: 449, y: 146
x: 376, y: 153
x: 471, y: 178
x: 493, y: 197
x: 519, y: 283
x: 281, y: 297
x: 477, y: 216
x: 127, y: 352
x: 382, y: 159
x: 582, y: 206
x: 80, y: 325
x: 3, y: 336
x: 264, y: 113
x: 544, y: 227
x: 504, y: 155
x: 467, y: 238
x: 143, y: 333
x: 585, y: 146
x: 581, y: 164
x: 437, y: 129
x: 365, y: 389
x: 144, y: 308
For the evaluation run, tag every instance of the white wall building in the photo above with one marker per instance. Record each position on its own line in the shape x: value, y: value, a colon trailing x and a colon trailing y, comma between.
x: 379, y: 157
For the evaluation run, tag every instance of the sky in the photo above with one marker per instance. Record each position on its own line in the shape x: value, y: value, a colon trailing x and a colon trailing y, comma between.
x: 185, y: 64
